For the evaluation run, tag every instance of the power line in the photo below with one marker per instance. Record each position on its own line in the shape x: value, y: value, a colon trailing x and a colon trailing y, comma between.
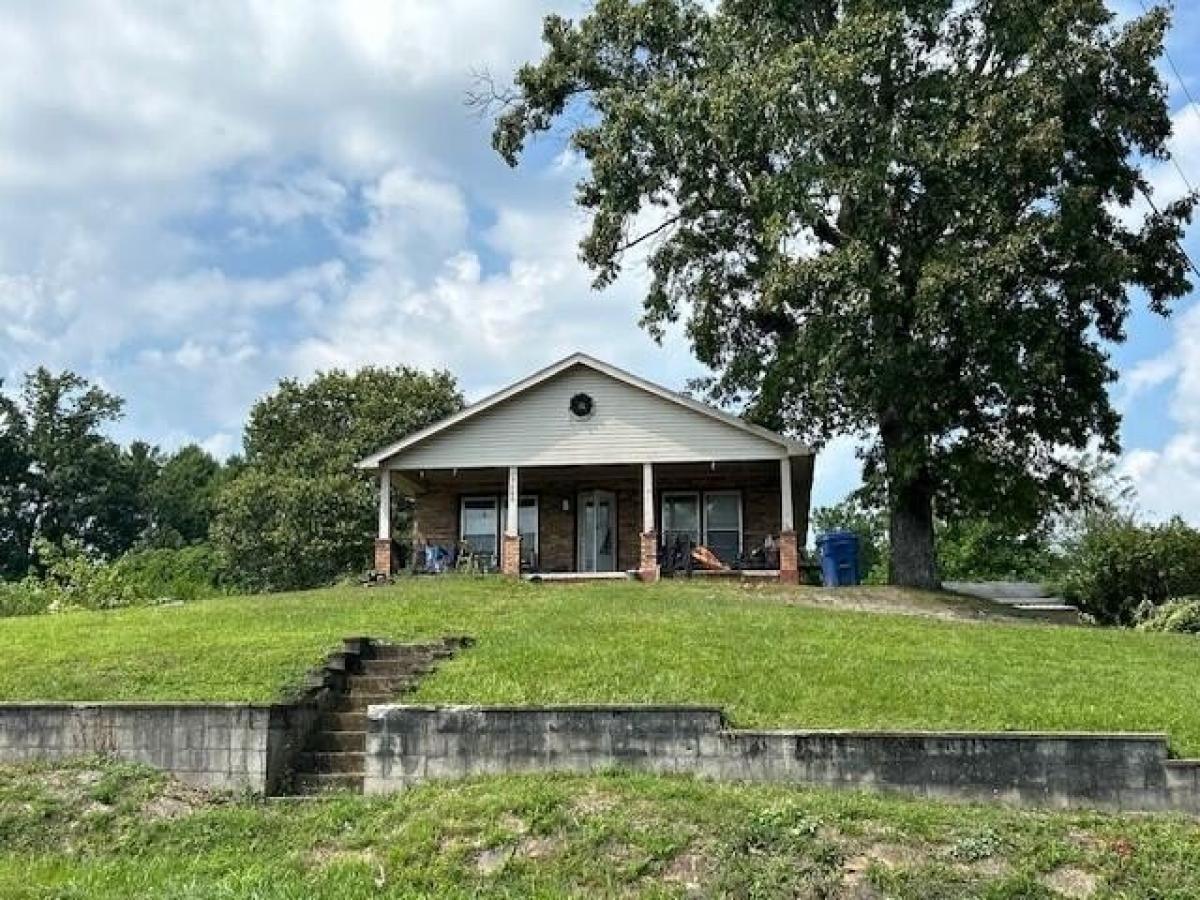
x: 1030, y: 20
x: 1186, y: 93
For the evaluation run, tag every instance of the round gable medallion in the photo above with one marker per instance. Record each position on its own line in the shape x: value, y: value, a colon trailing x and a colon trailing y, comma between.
x: 582, y: 406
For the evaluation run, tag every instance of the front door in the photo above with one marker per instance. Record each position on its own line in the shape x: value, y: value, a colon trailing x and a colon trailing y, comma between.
x: 596, y: 531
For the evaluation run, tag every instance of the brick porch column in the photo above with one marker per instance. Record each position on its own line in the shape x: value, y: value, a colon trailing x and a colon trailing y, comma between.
x: 510, y: 545
x: 789, y: 550
x: 789, y: 558
x: 384, y: 556
x: 384, y: 560
x: 648, y: 568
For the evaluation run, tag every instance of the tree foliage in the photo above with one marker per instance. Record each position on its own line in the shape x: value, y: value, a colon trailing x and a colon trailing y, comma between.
x: 911, y: 220
x: 70, y: 489
x: 62, y: 478
x: 1121, y: 571
x: 183, y: 496
x: 298, y: 515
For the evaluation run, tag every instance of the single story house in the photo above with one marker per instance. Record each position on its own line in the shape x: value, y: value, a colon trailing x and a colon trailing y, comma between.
x: 584, y: 470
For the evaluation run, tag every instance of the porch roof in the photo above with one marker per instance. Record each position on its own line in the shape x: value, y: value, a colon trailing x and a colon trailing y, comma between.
x: 755, y: 441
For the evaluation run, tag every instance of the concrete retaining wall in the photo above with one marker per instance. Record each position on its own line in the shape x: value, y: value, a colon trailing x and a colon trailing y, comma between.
x: 227, y: 746
x: 409, y: 744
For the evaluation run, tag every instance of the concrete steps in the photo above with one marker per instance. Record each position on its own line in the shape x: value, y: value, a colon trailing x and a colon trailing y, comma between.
x: 1028, y: 597
x: 333, y: 757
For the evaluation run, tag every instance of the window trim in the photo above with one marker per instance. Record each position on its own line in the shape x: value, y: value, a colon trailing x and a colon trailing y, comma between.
x: 494, y: 499
x: 500, y: 505
x: 674, y: 495
x: 741, y: 517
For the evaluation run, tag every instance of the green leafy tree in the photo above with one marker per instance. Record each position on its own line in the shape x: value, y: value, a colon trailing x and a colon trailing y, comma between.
x: 900, y: 219
x: 298, y: 515
x: 15, y: 525
x: 987, y: 550
x: 77, y: 485
x: 182, y: 498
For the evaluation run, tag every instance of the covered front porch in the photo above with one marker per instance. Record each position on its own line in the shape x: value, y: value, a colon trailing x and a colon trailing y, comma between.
x: 598, y: 521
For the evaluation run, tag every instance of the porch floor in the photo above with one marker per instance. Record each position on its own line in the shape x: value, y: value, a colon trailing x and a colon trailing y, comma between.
x: 578, y: 576
x: 756, y: 574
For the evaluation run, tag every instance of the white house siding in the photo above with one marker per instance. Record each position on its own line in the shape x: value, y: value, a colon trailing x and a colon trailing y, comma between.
x: 536, y: 428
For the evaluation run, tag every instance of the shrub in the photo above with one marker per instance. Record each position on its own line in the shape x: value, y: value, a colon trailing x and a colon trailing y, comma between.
x: 282, y: 531
x: 164, y: 574
x: 1120, y: 571
x: 27, y: 597
x: 76, y: 580
x: 1181, y: 616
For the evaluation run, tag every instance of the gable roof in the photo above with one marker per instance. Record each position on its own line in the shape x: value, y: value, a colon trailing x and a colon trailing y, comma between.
x: 377, y: 459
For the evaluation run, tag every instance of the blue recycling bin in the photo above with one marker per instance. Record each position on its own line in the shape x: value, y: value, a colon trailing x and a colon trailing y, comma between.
x: 839, y: 558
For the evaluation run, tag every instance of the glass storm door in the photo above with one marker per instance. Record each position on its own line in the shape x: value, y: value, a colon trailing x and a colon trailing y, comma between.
x: 596, y: 529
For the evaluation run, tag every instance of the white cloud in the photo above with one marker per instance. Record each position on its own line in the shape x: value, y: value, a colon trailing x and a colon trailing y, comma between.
x: 1168, y: 478
x: 163, y: 166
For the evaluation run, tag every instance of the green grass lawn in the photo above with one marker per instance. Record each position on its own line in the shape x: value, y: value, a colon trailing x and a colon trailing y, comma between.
x: 769, y: 662
x: 101, y: 830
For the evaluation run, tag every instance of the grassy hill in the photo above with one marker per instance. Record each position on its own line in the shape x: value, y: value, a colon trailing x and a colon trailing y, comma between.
x: 101, y: 831
x: 771, y: 656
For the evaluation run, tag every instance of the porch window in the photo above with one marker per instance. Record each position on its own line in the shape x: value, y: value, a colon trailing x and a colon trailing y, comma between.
x: 723, y: 524
x: 527, y: 525
x: 680, y: 517
x: 481, y: 524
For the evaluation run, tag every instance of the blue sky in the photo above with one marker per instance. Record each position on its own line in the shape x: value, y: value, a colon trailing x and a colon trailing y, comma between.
x: 199, y: 199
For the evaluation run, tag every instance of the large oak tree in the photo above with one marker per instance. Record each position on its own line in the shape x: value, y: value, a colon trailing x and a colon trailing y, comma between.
x: 917, y: 221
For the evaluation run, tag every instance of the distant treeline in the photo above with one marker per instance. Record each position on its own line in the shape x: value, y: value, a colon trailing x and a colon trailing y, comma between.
x: 289, y: 512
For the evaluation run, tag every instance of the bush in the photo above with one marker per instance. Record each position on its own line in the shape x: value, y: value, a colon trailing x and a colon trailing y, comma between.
x: 1180, y: 616
x: 282, y: 531
x: 981, y: 550
x: 1120, y: 571
x: 27, y: 597
x: 75, y: 580
x: 184, y: 574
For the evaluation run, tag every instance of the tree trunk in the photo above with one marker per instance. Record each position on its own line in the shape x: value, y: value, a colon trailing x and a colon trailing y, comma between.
x: 913, y: 561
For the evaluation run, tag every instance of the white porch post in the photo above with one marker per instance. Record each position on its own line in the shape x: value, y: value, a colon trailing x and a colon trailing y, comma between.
x: 512, y: 519
x: 647, y: 498
x: 383, y: 542
x: 787, y: 514
x: 789, y: 546
x: 385, y: 504
x: 648, y: 562
x: 510, y: 544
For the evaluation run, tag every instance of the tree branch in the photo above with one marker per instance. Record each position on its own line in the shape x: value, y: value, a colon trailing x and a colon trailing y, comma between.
x: 658, y: 229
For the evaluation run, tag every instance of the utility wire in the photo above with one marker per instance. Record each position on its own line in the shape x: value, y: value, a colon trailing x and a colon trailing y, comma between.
x: 1030, y: 20
x: 1186, y: 93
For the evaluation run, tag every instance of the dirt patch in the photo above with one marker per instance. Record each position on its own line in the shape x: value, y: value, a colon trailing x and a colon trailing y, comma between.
x: 854, y: 878
x: 1085, y: 840
x: 539, y: 847
x: 493, y: 859
x: 324, y: 857
x: 896, y: 856
x: 176, y: 801
x: 68, y: 784
x: 689, y: 870
x: 514, y: 823
x: 984, y: 868
x: 168, y: 807
x: 1071, y: 882
x: 594, y: 802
